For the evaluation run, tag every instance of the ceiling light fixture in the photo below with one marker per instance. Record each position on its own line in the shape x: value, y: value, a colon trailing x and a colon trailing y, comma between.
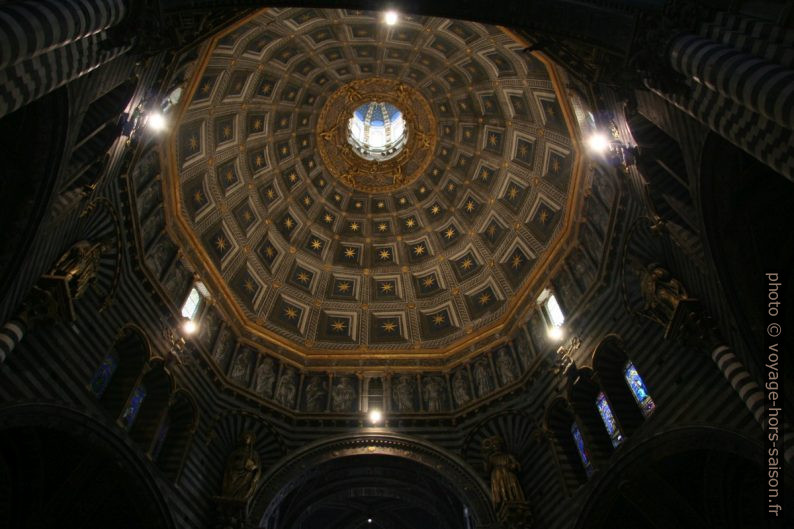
x: 598, y: 142
x: 375, y: 416
x: 555, y: 333
x: 189, y: 327
x: 156, y: 122
x: 390, y: 17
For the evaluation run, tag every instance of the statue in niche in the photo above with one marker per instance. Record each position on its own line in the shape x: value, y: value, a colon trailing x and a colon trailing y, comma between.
x: 662, y: 292
x: 569, y: 294
x: 285, y: 390
x: 222, y: 347
x: 505, y: 366
x: 482, y: 378
x: 315, y: 394
x: 159, y: 257
x: 502, y: 467
x: 404, y: 393
x: 147, y: 233
x: 208, y: 328
x: 175, y: 284
x: 434, y: 393
x: 79, y: 265
x: 243, y: 470
x: 240, y: 367
x: 265, y: 377
x: 581, y: 269
x: 342, y: 395
x: 460, y: 388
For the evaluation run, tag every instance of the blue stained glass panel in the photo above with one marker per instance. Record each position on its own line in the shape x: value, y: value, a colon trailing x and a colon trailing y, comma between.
x: 134, y: 406
x: 101, y: 379
x: 609, y: 419
x: 159, y: 441
x: 583, y: 455
x: 638, y: 389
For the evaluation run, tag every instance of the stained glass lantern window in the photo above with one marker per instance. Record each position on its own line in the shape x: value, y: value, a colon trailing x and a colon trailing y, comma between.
x: 133, y: 406
x: 101, y: 379
x: 638, y: 389
x: 609, y: 419
x: 580, y: 447
x: 191, y: 305
x: 159, y: 441
x: 377, y: 131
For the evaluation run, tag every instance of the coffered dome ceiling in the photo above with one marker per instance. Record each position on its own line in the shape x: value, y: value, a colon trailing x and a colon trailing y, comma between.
x: 323, y: 253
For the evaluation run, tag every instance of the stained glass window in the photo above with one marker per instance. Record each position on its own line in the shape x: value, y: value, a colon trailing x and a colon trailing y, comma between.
x: 134, y: 406
x: 556, y: 317
x: 162, y: 433
x: 101, y: 379
x: 191, y: 305
x: 377, y: 131
x: 638, y: 389
x: 609, y: 419
x: 580, y: 447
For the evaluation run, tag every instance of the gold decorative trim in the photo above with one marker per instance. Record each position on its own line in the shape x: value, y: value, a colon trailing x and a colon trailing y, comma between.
x: 368, y: 176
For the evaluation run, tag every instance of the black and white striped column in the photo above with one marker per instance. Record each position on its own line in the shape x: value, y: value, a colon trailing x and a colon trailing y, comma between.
x: 33, y: 27
x: 11, y: 333
x: 33, y: 78
x: 760, y: 85
x: 752, y: 396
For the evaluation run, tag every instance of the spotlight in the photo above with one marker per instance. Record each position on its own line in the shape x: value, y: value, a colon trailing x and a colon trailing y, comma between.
x: 189, y: 327
x: 390, y: 18
x: 369, y: 520
x: 375, y: 416
x: 555, y: 333
x: 598, y: 142
x: 156, y: 122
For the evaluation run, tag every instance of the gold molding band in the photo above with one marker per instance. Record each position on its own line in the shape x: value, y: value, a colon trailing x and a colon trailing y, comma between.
x: 359, y: 174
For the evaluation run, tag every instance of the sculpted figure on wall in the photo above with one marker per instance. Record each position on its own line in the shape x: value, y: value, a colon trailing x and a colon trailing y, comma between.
x: 243, y: 470
x: 434, y: 394
x: 285, y: 391
x: 404, y: 393
x: 505, y: 366
x: 315, y: 394
x: 342, y: 395
x: 662, y: 292
x: 79, y: 265
x: 482, y: 378
x: 502, y: 467
x: 240, y: 367
x: 460, y: 387
x: 265, y: 377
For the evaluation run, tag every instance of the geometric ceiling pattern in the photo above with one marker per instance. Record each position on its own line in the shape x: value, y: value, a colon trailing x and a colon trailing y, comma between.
x: 311, y: 264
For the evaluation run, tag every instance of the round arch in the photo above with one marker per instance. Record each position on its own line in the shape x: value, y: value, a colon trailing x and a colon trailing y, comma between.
x: 716, y: 469
x: 447, y: 468
x: 107, y: 453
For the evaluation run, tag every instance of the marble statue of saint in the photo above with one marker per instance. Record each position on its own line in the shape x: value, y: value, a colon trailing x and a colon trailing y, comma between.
x: 482, y: 378
x: 285, y: 390
x: 662, y: 292
x: 315, y: 394
x: 505, y: 366
x: 240, y: 367
x: 502, y: 467
x: 222, y: 346
x: 243, y: 470
x: 433, y: 394
x: 404, y: 393
x: 208, y: 327
x: 342, y: 395
x: 265, y: 377
x: 460, y: 388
